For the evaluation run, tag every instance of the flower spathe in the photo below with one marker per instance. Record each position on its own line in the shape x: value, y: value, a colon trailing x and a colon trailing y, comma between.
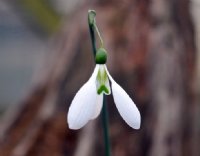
x: 88, y: 101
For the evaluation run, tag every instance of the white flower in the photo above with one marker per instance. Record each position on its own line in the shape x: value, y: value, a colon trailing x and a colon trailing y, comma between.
x: 88, y: 101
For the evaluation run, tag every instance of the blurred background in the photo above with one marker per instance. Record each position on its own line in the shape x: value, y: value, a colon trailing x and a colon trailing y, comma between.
x: 46, y: 56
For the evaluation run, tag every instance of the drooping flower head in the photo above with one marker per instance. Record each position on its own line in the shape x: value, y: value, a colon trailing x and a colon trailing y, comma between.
x: 88, y: 101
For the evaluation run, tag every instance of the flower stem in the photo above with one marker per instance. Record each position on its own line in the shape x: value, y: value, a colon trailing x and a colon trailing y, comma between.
x: 92, y: 35
x: 91, y: 23
x: 104, y: 113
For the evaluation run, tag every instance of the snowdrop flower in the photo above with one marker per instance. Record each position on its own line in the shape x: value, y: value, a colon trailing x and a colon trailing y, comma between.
x: 88, y: 101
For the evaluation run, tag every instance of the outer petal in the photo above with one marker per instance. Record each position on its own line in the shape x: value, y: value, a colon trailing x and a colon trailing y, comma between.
x: 84, y: 103
x: 99, y: 104
x: 125, y: 105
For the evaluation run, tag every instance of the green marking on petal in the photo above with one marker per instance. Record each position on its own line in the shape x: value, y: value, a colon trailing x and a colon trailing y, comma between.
x: 102, y: 89
x: 105, y: 76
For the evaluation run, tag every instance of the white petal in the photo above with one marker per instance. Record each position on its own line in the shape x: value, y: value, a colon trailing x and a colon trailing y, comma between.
x: 125, y: 105
x: 94, y: 74
x: 99, y: 104
x: 84, y: 104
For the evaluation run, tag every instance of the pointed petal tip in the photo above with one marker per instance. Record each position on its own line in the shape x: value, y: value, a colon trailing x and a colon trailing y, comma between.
x: 73, y: 127
x: 138, y: 120
x: 136, y: 127
x: 137, y: 124
x: 71, y: 124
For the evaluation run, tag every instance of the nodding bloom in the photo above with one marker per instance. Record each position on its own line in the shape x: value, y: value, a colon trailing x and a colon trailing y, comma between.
x: 88, y: 101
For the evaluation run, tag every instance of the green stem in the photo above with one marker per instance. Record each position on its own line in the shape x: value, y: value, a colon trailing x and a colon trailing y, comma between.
x: 104, y: 113
x: 91, y: 23
x: 92, y: 35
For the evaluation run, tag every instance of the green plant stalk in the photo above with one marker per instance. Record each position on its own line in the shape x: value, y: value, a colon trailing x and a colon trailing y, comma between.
x: 104, y: 113
x: 92, y: 35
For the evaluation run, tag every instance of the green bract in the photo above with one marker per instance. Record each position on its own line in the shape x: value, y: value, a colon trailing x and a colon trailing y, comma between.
x: 101, y: 56
x: 91, y: 16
